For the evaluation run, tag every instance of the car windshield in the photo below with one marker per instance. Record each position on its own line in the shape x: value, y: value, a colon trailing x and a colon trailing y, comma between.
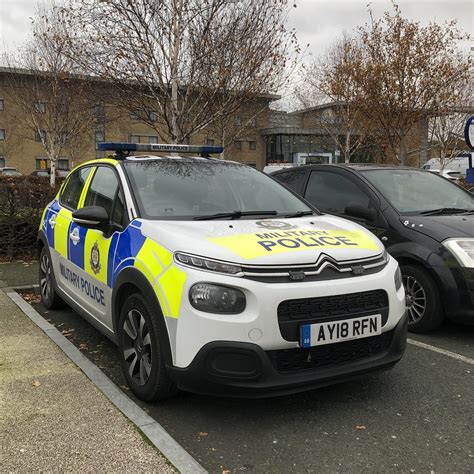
x: 415, y: 192
x: 195, y: 188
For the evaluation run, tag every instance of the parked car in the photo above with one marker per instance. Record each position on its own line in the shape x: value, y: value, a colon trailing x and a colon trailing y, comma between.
x: 9, y: 171
x: 425, y: 221
x: 458, y: 164
x: 214, y: 278
x: 448, y: 174
x: 46, y: 173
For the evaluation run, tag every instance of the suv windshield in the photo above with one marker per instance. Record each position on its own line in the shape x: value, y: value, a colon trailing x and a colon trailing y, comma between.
x: 190, y: 188
x: 416, y: 192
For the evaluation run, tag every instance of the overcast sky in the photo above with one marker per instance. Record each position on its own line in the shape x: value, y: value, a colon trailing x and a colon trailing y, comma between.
x: 317, y: 22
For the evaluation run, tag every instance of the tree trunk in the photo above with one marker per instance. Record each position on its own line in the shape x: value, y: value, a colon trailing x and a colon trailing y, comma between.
x: 347, y: 148
x: 402, y: 154
x: 52, y: 178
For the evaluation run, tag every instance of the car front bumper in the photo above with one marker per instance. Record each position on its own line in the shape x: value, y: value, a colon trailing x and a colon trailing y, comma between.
x: 241, y: 369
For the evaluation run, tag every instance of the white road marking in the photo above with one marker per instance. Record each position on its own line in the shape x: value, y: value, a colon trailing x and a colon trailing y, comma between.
x: 441, y: 351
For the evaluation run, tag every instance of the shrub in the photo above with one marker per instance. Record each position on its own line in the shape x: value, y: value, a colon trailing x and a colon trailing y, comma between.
x: 22, y: 201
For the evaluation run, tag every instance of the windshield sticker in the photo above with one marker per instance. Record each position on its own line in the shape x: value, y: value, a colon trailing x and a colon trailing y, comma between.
x: 250, y: 246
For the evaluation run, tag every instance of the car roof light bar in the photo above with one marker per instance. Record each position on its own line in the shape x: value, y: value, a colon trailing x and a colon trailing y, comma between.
x: 122, y: 150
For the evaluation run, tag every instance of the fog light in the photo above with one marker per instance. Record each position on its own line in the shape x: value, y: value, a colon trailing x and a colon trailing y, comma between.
x: 398, y: 278
x: 216, y: 298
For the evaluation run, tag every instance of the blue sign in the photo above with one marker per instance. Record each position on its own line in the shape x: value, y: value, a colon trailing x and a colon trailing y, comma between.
x: 469, y: 132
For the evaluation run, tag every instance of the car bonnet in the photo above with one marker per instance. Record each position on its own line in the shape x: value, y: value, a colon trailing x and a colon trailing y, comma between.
x: 266, y: 241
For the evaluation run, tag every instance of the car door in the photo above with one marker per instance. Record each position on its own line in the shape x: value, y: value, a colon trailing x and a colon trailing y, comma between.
x: 333, y: 191
x: 58, y: 223
x: 92, y: 251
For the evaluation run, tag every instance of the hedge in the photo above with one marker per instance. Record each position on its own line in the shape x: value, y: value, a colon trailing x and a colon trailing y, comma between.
x: 22, y: 201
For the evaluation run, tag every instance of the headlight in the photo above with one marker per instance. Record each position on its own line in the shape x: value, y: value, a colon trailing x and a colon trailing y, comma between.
x: 398, y: 278
x: 463, y: 250
x: 206, y: 264
x: 216, y: 298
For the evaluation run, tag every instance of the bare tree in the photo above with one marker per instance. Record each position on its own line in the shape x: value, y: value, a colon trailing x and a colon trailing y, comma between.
x: 55, y: 105
x: 329, y: 79
x: 181, y: 65
x: 406, y: 72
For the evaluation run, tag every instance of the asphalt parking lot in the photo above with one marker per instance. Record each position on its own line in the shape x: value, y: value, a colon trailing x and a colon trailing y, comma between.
x: 416, y: 418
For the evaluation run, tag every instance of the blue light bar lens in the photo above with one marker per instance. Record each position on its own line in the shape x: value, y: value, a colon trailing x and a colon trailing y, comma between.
x: 117, y: 146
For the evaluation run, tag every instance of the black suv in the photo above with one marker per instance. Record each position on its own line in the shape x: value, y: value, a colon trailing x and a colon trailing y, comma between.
x: 425, y: 221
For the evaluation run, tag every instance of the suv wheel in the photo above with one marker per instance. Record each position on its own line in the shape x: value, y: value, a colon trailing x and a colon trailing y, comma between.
x: 422, y: 299
x: 141, y: 356
x: 49, y: 297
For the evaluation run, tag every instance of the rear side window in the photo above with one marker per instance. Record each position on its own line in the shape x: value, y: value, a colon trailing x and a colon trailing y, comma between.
x: 73, y: 189
x: 292, y: 179
x: 332, y: 193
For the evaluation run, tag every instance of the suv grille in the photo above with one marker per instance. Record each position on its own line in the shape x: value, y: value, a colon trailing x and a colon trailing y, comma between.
x: 291, y: 313
x: 290, y: 360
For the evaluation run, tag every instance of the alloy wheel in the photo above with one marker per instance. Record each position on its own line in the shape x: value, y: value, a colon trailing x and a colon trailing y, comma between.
x: 415, y: 297
x: 137, y: 347
x: 45, y: 277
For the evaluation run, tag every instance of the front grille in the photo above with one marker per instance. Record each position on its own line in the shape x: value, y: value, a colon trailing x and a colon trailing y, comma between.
x: 292, y: 313
x: 339, y: 353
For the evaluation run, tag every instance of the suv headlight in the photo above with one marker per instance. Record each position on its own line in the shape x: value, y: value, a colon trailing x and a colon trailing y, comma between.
x: 216, y: 298
x: 206, y: 264
x: 462, y: 249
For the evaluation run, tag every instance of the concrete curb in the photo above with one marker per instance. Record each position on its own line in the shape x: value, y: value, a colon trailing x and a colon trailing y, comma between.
x: 157, y: 435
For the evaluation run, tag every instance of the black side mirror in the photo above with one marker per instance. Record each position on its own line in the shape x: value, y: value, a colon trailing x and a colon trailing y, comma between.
x: 92, y: 217
x: 355, y: 210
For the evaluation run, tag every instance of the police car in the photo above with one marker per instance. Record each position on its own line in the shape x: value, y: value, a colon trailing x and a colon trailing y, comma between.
x: 214, y: 278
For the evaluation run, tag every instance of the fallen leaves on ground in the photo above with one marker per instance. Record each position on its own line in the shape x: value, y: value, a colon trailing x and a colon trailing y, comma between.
x: 202, y: 433
x: 361, y: 427
x: 36, y: 383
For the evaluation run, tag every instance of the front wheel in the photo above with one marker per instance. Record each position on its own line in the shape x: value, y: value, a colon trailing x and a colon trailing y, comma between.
x: 422, y: 299
x: 141, y: 355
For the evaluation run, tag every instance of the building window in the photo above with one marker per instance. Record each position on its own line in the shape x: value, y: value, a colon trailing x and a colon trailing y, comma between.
x: 39, y: 134
x: 40, y: 107
x: 99, y: 110
x: 2, y: 104
x: 238, y: 145
x: 100, y: 154
x: 99, y: 136
x: 252, y: 145
x: 2, y: 162
x: 135, y: 115
x: 2, y: 134
x: 135, y: 138
x: 238, y: 120
x: 209, y: 142
x: 63, y: 164
x: 153, y: 139
x: 42, y: 163
x: 153, y: 116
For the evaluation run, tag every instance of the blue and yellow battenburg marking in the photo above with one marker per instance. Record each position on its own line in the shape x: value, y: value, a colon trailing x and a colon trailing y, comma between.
x: 104, y: 258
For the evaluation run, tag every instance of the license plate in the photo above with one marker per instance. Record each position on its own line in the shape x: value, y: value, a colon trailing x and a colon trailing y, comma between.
x: 319, y: 334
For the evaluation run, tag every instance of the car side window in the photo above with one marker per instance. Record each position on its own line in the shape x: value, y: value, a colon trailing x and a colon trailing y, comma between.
x: 292, y: 179
x: 332, y: 192
x: 104, y: 191
x: 73, y: 188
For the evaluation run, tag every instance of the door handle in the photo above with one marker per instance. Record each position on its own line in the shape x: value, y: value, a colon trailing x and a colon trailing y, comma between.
x: 75, y: 237
x: 52, y: 221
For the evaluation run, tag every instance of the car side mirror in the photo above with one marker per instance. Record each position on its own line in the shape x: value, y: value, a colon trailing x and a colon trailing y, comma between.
x: 92, y: 217
x: 355, y: 210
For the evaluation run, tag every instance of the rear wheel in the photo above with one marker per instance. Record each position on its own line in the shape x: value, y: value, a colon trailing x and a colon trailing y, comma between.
x: 141, y: 354
x: 49, y: 296
x: 422, y: 299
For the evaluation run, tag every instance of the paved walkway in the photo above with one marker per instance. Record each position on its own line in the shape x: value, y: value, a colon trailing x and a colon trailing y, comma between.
x: 18, y: 273
x: 52, y: 418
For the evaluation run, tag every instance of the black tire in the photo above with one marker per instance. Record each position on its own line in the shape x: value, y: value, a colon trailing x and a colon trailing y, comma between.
x: 423, y: 301
x: 141, y: 356
x: 49, y: 296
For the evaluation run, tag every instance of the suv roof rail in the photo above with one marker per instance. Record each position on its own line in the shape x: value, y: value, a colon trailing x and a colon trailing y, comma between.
x: 122, y: 149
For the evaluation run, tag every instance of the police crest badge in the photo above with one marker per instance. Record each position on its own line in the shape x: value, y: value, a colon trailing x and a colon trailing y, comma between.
x: 95, y: 258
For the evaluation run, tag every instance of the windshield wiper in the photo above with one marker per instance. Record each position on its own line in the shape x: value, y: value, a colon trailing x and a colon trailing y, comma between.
x: 299, y: 214
x: 235, y: 215
x: 446, y: 210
